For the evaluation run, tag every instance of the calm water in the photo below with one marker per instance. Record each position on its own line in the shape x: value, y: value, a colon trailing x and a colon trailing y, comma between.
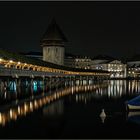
x: 70, y: 111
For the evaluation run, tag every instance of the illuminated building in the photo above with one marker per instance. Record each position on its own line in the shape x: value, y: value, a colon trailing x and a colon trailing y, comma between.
x: 134, y: 67
x: 53, y: 43
x: 83, y: 62
x: 115, y: 67
x: 76, y: 61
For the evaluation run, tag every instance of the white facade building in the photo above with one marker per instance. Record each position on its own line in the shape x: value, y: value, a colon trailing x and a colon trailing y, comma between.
x: 116, y: 68
x: 133, y: 68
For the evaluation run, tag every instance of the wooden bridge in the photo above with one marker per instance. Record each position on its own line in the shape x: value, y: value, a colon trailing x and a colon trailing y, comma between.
x: 16, y: 65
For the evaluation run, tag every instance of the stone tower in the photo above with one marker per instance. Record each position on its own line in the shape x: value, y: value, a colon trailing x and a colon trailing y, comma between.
x: 53, y: 43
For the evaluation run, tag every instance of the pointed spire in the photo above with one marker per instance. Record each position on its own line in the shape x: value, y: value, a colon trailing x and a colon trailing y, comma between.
x: 54, y: 32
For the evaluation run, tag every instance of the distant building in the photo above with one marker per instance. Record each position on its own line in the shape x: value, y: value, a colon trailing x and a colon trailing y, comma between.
x: 133, y: 66
x: 83, y: 62
x: 99, y: 62
x: 77, y: 61
x: 115, y: 67
x: 53, y: 43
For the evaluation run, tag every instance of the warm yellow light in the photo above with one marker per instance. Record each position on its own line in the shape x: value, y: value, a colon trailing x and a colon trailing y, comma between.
x: 11, y: 113
x: 18, y: 62
x: 19, y: 110
x: 10, y: 61
x: 0, y: 118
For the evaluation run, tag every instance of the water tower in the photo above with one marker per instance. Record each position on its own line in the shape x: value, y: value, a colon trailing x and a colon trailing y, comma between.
x: 53, y: 43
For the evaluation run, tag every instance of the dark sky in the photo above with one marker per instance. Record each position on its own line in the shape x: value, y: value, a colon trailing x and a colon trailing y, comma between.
x: 92, y: 28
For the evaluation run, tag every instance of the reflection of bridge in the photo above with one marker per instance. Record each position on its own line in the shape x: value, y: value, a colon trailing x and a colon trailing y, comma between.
x: 22, y: 108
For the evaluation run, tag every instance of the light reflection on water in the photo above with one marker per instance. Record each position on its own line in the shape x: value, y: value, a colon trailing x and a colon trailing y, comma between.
x: 31, y: 105
x: 52, y: 101
x: 114, y: 89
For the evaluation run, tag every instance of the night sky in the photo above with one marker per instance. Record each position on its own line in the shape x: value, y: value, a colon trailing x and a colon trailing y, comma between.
x: 92, y: 28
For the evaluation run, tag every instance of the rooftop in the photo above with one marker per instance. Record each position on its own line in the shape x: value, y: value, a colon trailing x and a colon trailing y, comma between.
x: 54, y: 33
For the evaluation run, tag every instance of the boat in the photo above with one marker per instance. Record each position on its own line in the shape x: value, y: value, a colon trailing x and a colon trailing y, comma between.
x: 134, y: 104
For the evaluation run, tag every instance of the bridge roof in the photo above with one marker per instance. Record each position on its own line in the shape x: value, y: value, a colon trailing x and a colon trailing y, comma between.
x: 24, y: 59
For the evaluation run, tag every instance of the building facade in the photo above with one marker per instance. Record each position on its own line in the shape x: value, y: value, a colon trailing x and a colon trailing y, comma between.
x: 133, y: 68
x: 82, y: 62
x: 116, y: 68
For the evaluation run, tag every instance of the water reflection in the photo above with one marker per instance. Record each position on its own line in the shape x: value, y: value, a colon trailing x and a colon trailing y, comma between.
x: 117, y: 88
x: 83, y: 91
x: 25, y: 107
x: 110, y: 89
x: 134, y: 117
x: 55, y: 109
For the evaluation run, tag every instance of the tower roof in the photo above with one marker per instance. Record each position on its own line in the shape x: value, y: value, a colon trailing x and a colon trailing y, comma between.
x: 54, y: 33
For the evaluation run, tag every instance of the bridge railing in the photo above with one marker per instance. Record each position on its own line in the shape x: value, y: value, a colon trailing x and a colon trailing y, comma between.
x: 23, y: 72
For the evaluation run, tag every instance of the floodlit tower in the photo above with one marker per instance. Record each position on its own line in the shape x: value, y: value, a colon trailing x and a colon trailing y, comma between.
x: 53, y: 44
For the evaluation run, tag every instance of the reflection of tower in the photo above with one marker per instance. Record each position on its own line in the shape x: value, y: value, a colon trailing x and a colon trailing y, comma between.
x: 53, y: 44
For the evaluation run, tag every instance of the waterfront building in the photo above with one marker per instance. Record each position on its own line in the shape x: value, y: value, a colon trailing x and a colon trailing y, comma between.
x: 117, y: 69
x: 53, y: 43
x: 110, y: 64
x: 133, y: 65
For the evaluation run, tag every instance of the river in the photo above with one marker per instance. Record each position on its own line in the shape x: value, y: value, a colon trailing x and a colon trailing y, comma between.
x: 69, y: 111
